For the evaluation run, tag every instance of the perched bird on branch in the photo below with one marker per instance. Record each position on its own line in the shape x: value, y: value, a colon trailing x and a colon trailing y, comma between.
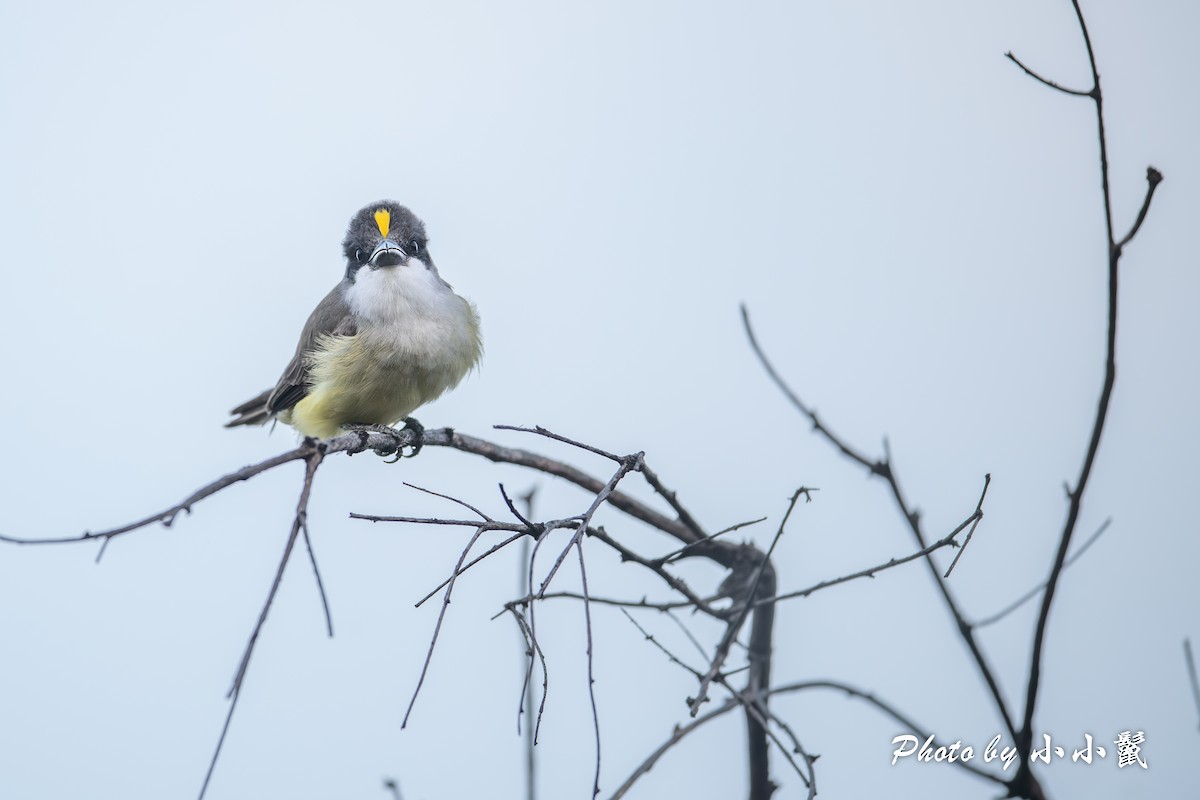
x: 390, y: 337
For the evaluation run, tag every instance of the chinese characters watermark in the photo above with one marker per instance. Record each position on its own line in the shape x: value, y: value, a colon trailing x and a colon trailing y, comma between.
x: 1129, y: 750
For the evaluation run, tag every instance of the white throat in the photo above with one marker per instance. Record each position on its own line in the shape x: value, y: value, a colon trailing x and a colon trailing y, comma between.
x: 388, y: 294
x: 408, y: 314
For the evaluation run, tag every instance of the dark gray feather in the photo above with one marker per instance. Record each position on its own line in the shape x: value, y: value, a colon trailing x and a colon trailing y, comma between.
x: 331, y: 316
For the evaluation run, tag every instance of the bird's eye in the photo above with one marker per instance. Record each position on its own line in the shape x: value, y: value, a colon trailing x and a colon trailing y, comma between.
x: 358, y: 256
x: 414, y: 246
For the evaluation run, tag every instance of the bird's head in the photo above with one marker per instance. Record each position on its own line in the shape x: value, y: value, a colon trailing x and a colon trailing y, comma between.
x: 384, y: 235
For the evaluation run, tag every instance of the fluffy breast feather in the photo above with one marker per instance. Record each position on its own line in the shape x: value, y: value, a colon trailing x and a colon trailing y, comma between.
x: 416, y: 340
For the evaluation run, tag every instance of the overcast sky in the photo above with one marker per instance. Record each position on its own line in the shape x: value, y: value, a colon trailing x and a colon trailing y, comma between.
x: 915, y: 226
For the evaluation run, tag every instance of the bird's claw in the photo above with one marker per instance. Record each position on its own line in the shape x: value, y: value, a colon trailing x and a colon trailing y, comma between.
x: 418, y: 432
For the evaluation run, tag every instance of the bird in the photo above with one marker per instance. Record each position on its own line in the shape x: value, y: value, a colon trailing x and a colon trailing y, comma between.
x: 390, y: 337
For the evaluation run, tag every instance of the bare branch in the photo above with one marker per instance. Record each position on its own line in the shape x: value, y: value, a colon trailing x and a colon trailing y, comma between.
x: 627, y: 464
x: 682, y: 552
x: 167, y: 516
x: 687, y: 632
x: 674, y: 659
x: 673, y: 500
x: 1020, y: 601
x: 438, y: 627
x: 312, y: 559
x: 887, y: 709
x: 946, y: 541
x: 756, y: 708
x: 1024, y: 782
x: 604, y: 601
x: 540, y: 431
x: 312, y: 461
x: 1153, y: 179
x: 1045, y: 81
x: 462, y: 503
x: 444, y: 437
x: 676, y: 737
x: 976, y: 518
x: 527, y: 632
x: 674, y: 582
x: 591, y: 676
x: 349, y: 443
x: 884, y: 469
x: 746, y: 603
x: 507, y: 501
x: 472, y: 563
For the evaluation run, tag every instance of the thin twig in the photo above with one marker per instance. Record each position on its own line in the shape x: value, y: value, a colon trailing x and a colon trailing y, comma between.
x: 755, y: 711
x: 673, y: 500
x: 312, y: 559
x: 438, y: 627
x: 978, y: 516
x: 604, y: 601
x: 311, y: 463
x: 445, y: 437
x: 884, y: 469
x: 1191, y: 667
x: 739, y: 619
x: 946, y: 541
x: 348, y: 443
x: 532, y: 625
x: 1046, y: 81
x: 527, y: 632
x: 515, y: 513
x: 167, y: 516
x: 526, y: 695
x: 671, y: 580
x: 754, y: 708
x: 677, y: 735
x: 462, y: 503
x: 1153, y: 179
x: 540, y: 431
x: 473, y: 562
x: 891, y: 711
x: 687, y: 632
x: 674, y: 659
x: 681, y: 552
x: 587, y: 616
x: 1023, y: 599
x: 627, y: 464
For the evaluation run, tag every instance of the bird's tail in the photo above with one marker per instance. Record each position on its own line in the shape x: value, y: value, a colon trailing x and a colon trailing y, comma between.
x: 251, y: 412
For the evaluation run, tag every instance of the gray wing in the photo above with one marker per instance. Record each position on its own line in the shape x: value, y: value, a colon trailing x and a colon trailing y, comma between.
x: 331, y: 316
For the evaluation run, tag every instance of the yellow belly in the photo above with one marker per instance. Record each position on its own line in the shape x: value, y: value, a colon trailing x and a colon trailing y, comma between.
x: 355, y: 380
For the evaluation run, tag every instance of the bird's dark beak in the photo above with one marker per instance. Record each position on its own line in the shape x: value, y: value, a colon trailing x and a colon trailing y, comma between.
x: 387, y: 254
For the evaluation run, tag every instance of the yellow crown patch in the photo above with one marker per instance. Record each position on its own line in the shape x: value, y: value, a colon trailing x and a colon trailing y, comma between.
x: 383, y: 218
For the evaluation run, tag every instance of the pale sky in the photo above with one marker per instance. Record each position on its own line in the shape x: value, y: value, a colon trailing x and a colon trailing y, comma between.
x: 915, y: 226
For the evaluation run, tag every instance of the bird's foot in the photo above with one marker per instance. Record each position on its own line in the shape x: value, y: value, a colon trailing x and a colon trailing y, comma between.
x: 397, y: 449
x: 418, y: 432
